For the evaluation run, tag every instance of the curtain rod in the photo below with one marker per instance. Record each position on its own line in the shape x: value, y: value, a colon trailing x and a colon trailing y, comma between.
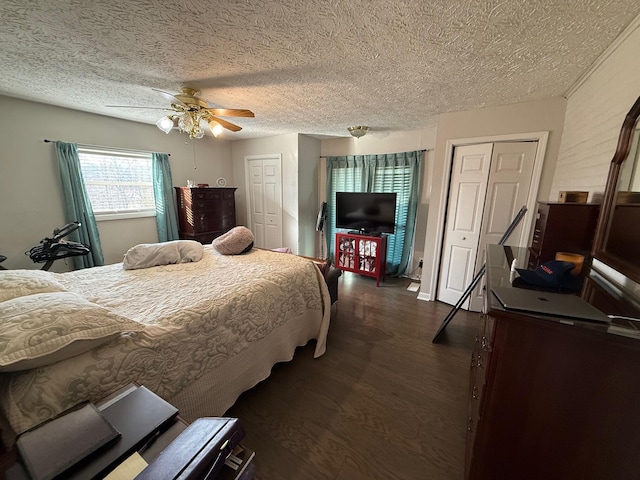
x: 422, y: 150
x: 106, y: 148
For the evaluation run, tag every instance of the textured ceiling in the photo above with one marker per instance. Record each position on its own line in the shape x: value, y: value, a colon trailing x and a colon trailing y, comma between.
x: 303, y: 66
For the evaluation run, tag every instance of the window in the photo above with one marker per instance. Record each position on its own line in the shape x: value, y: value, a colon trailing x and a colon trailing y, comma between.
x: 119, y: 183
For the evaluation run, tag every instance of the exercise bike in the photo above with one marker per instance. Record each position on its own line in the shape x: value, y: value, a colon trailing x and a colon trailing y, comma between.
x: 54, y: 248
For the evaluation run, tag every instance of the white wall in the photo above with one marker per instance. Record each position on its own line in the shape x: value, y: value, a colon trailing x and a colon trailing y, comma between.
x: 595, y: 111
x: 30, y: 194
x: 308, y: 203
x: 536, y: 116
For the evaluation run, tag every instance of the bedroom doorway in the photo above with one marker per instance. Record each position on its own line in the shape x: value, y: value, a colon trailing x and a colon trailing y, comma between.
x: 490, y: 182
x: 264, y: 202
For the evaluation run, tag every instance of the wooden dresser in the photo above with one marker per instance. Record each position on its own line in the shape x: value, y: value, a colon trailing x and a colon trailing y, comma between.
x: 551, y: 398
x: 562, y: 227
x: 205, y: 213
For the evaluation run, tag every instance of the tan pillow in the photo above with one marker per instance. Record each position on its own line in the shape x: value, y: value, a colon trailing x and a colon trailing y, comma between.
x: 236, y: 241
x: 18, y: 283
x: 44, y: 328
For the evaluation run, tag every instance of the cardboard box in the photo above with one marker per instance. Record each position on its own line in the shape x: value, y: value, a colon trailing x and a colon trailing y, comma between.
x: 573, y: 197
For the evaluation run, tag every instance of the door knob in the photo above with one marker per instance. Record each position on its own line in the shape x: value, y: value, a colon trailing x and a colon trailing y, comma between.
x: 464, y: 238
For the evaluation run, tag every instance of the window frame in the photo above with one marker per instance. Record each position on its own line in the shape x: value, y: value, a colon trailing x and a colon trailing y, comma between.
x: 114, y: 152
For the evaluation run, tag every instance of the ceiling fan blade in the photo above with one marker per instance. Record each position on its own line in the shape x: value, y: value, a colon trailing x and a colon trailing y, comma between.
x: 169, y: 96
x: 231, y: 112
x: 228, y: 125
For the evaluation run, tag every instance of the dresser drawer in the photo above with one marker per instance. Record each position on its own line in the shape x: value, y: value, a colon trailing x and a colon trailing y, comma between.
x: 477, y: 382
x: 207, y: 223
x: 210, y: 195
x: 224, y: 205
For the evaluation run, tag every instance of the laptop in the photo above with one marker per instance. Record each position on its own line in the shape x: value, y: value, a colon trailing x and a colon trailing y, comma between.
x: 547, y: 303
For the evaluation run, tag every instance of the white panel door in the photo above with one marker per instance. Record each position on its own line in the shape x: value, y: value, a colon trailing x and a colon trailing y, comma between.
x: 507, y: 192
x: 272, y: 182
x: 265, y: 200
x: 469, y: 177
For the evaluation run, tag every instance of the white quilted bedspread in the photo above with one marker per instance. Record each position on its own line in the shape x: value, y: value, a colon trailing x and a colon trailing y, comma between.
x: 213, y: 329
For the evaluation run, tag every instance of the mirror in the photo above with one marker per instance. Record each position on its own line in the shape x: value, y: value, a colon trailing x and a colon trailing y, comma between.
x: 618, y: 230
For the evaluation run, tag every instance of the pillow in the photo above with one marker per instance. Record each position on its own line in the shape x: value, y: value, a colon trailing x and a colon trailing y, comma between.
x: 44, y: 328
x: 236, y: 241
x: 147, y: 255
x: 18, y: 283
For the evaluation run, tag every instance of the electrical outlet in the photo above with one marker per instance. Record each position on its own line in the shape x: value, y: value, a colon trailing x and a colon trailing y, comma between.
x: 420, y: 263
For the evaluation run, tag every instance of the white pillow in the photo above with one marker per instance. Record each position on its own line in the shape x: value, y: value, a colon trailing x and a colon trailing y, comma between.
x: 44, y: 328
x: 147, y: 255
x: 18, y: 283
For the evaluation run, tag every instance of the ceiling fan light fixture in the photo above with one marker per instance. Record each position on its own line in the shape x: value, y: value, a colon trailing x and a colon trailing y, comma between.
x: 186, y: 123
x: 165, y: 124
x: 216, y: 128
x: 358, y: 131
x: 193, y: 116
x: 190, y: 123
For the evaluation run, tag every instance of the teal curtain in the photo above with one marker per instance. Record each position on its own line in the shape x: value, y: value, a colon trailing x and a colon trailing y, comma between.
x: 166, y: 217
x: 396, y: 172
x: 77, y: 206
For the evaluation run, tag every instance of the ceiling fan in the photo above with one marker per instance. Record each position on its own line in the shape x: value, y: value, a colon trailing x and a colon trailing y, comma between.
x: 192, y: 115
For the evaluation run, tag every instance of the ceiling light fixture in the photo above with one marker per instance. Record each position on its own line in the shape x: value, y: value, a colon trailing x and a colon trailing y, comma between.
x: 358, y: 131
x: 216, y: 128
x: 192, y: 120
x: 165, y: 124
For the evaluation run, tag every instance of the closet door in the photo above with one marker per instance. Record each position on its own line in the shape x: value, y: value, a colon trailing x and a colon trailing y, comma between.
x: 264, y: 189
x: 489, y: 184
x: 469, y: 176
x: 507, y: 192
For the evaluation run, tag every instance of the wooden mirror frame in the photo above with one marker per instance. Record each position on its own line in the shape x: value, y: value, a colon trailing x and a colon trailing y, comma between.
x: 599, y: 251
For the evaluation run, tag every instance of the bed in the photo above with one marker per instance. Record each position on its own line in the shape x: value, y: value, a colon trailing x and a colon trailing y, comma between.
x: 198, y: 334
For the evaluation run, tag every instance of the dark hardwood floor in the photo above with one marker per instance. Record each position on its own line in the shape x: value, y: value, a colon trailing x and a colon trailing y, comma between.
x: 384, y: 402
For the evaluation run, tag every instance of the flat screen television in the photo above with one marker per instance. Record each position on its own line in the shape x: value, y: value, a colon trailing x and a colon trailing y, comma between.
x: 368, y: 213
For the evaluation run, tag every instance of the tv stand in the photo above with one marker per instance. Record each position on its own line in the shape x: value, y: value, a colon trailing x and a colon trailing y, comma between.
x: 365, y: 254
